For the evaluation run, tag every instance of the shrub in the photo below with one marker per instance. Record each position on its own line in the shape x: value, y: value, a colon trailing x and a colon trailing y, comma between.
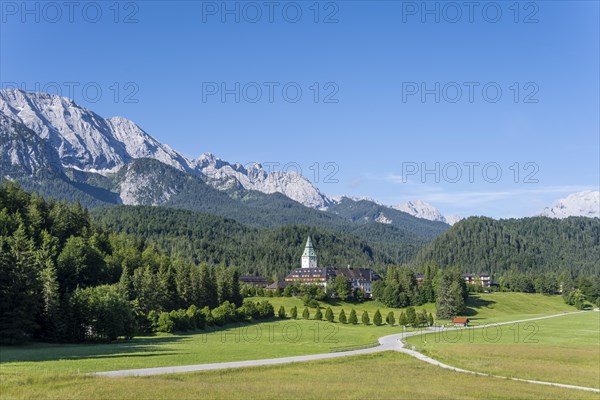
x: 390, y: 319
x: 353, y: 319
x: 306, y: 313
x: 365, y: 318
x: 165, y: 323
x: 281, y: 312
x: 294, y: 312
x: 318, y: 314
x: 342, y: 317
x: 377, y: 320
x: 329, y: 314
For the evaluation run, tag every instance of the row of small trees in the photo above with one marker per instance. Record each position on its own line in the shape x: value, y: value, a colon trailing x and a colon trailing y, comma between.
x: 410, y: 317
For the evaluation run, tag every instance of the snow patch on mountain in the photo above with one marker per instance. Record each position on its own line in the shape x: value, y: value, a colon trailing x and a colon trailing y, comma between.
x: 421, y: 209
x: 580, y: 204
x: 339, y: 199
x: 224, y: 175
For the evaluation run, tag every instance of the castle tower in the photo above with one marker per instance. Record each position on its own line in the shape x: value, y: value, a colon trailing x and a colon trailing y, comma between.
x: 309, y: 257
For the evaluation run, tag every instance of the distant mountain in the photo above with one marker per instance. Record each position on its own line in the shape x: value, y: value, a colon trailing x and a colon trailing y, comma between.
x: 58, y: 149
x: 580, y: 204
x: 225, y: 176
x: 421, y: 209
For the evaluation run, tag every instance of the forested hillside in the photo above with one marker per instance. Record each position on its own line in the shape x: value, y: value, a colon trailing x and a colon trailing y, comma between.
x: 63, y: 277
x: 269, y: 252
x: 480, y: 244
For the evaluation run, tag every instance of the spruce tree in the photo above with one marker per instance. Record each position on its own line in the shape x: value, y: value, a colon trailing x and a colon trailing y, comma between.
x: 342, y: 317
x: 20, y: 301
x: 390, y: 319
x: 329, y: 314
x: 236, y: 295
x: 365, y: 318
x: 318, y: 314
x: 306, y: 313
x: 353, y: 319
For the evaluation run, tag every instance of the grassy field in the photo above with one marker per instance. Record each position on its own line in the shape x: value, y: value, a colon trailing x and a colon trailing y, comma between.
x: 246, y: 342
x: 563, y: 349
x: 383, y: 376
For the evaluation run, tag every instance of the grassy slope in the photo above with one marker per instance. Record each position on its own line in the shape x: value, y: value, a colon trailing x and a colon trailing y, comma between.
x: 383, y: 376
x: 481, y: 308
x: 563, y: 349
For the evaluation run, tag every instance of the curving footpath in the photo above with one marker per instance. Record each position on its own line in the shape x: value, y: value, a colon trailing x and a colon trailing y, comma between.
x: 386, y: 343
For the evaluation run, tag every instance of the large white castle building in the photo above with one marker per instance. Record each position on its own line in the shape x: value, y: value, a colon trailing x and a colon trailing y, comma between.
x: 310, y: 273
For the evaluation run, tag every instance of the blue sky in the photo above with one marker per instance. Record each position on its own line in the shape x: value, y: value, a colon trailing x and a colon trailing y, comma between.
x: 370, y: 62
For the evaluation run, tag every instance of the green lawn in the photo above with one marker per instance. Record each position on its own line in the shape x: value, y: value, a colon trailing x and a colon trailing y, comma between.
x: 246, y: 342
x: 383, y: 376
x: 563, y: 349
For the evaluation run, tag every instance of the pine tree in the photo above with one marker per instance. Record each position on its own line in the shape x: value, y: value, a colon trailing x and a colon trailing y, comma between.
x: 281, y: 312
x: 329, y: 314
x: 126, y: 283
x: 306, y: 313
x: 342, y: 317
x: 390, y: 319
x: 318, y: 314
x: 20, y: 300
x: 294, y: 312
x: 236, y: 296
x: 353, y: 319
x: 365, y: 318
x: 402, y: 320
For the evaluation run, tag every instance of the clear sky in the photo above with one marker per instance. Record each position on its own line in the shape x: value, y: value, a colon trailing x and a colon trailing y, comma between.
x: 402, y: 87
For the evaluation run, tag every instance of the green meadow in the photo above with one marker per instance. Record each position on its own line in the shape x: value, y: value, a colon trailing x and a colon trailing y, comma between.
x: 387, y: 375
x: 58, y: 371
x: 564, y: 349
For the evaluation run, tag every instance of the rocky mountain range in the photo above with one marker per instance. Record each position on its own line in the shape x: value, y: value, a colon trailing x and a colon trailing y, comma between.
x: 90, y: 158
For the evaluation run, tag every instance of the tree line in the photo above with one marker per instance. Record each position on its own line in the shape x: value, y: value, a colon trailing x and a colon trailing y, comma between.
x: 446, y: 288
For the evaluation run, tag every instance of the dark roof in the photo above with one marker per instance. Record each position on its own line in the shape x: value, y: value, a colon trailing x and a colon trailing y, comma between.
x: 475, y: 275
x: 362, y: 274
x: 278, y: 284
